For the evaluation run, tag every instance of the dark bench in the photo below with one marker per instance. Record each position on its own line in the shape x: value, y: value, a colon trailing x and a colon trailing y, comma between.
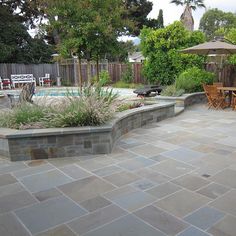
x: 148, y: 89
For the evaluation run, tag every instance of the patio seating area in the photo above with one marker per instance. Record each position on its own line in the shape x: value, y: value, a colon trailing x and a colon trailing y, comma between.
x: 175, y: 177
x: 19, y: 80
x: 220, y: 97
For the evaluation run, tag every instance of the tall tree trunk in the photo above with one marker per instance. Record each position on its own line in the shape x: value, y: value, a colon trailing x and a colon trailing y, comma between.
x: 97, y: 67
x: 89, y: 71
x: 187, y: 18
x: 80, y: 74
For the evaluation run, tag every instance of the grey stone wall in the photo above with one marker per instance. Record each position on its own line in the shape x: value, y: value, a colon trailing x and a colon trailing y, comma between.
x: 185, y: 100
x: 65, y: 142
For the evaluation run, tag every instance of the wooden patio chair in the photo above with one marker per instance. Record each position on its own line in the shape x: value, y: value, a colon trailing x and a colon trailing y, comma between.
x: 233, y: 100
x: 215, y: 99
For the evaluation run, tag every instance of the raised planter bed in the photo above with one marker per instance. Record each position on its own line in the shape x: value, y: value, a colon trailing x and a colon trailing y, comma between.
x: 35, y: 144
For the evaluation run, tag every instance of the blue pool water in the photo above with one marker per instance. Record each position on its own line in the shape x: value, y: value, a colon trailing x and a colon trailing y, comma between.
x: 56, y: 93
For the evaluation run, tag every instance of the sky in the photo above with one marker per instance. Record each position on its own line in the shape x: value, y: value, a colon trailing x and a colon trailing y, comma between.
x: 171, y: 12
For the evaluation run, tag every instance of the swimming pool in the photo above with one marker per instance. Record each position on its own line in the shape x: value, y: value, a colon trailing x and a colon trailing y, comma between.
x: 56, y: 93
x: 73, y: 91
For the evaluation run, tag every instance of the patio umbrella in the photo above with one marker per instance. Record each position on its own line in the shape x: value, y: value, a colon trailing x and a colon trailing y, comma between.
x: 213, y: 47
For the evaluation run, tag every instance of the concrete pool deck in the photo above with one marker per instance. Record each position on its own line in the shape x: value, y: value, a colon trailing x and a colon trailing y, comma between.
x: 175, y: 177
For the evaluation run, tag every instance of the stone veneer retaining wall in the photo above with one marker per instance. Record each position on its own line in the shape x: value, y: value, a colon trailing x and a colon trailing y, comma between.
x: 185, y: 100
x: 65, y: 142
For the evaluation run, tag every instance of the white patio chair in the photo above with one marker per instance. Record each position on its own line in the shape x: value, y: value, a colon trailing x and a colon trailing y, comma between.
x: 45, y: 80
x: 5, y: 83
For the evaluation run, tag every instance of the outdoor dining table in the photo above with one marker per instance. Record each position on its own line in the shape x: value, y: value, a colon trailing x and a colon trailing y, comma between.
x: 230, y: 90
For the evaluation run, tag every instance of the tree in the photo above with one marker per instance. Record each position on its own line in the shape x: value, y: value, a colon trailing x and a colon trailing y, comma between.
x: 160, y: 20
x: 137, y: 12
x: 214, y: 19
x: 187, y: 17
x: 86, y: 27
x: 16, y: 45
x: 28, y: 10
x: 161, y: 48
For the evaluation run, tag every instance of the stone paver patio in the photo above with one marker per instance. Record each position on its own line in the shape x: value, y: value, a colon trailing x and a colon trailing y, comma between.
x: 175, y: 177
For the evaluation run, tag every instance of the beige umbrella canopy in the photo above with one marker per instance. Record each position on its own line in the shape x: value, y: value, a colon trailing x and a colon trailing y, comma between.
x: 213, y: 47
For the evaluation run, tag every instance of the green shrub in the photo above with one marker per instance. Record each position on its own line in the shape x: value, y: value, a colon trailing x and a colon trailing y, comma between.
x: 172, y: 91
x: 104, y: 79
x: 66, y: 83
x: 127, y: 75
x: 192, y: 79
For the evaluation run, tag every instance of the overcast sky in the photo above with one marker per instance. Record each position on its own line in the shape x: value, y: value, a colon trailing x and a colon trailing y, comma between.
x: 172, y: 12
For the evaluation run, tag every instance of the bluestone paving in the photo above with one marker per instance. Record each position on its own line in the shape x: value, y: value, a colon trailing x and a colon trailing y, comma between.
x: 7, y: 179
x: 121, y: 178
x: 95, y: 203
x: 47, y: 214
x: 136, y: 163
x: 14, y: 201
x: 87, y: 188
x: 213, y: 190
x: 45, y: 180
x: 183, y: 154
x: 61, y: 230
x: 10, y: 226
x: 163, y: 190
x: 11, y: 189
x: 192, y: 231
x: 126, y: 226
x: 182, y: 203
x: 108, y: 170
x: 134, y: 200
x: 226, y: 177
x: 161, y: 220
x: 75, y: 171
x: 226, y: 202
x: 143, y: 184
x: 205, y: 217
x: 191, y: 182
x: 225, y: 227
x: 175, y: 177
x: 96, y: 219
x: 173, y: 168
x: 47, y: 194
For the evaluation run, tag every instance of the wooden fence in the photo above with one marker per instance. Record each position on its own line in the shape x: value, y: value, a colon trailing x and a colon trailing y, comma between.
x: 227, y: 74
x: 69, y: 71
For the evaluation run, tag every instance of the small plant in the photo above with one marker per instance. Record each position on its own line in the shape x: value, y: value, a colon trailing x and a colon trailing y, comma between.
x: 171, y: 91
x: 127, y: 106
x: 24, y: 114
x: 127, y: 75
x: 104, y: 78
x: 192, y: 79
x: 66, y: 83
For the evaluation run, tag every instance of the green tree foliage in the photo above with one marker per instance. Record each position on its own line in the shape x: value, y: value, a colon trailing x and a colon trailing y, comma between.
x: 28, y: 10
x: 16, y: 45
x: 193, y: 4
x: 137, y: 12
x: 215, y: 19
x: 160, y: 20
x: 161, y: 48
